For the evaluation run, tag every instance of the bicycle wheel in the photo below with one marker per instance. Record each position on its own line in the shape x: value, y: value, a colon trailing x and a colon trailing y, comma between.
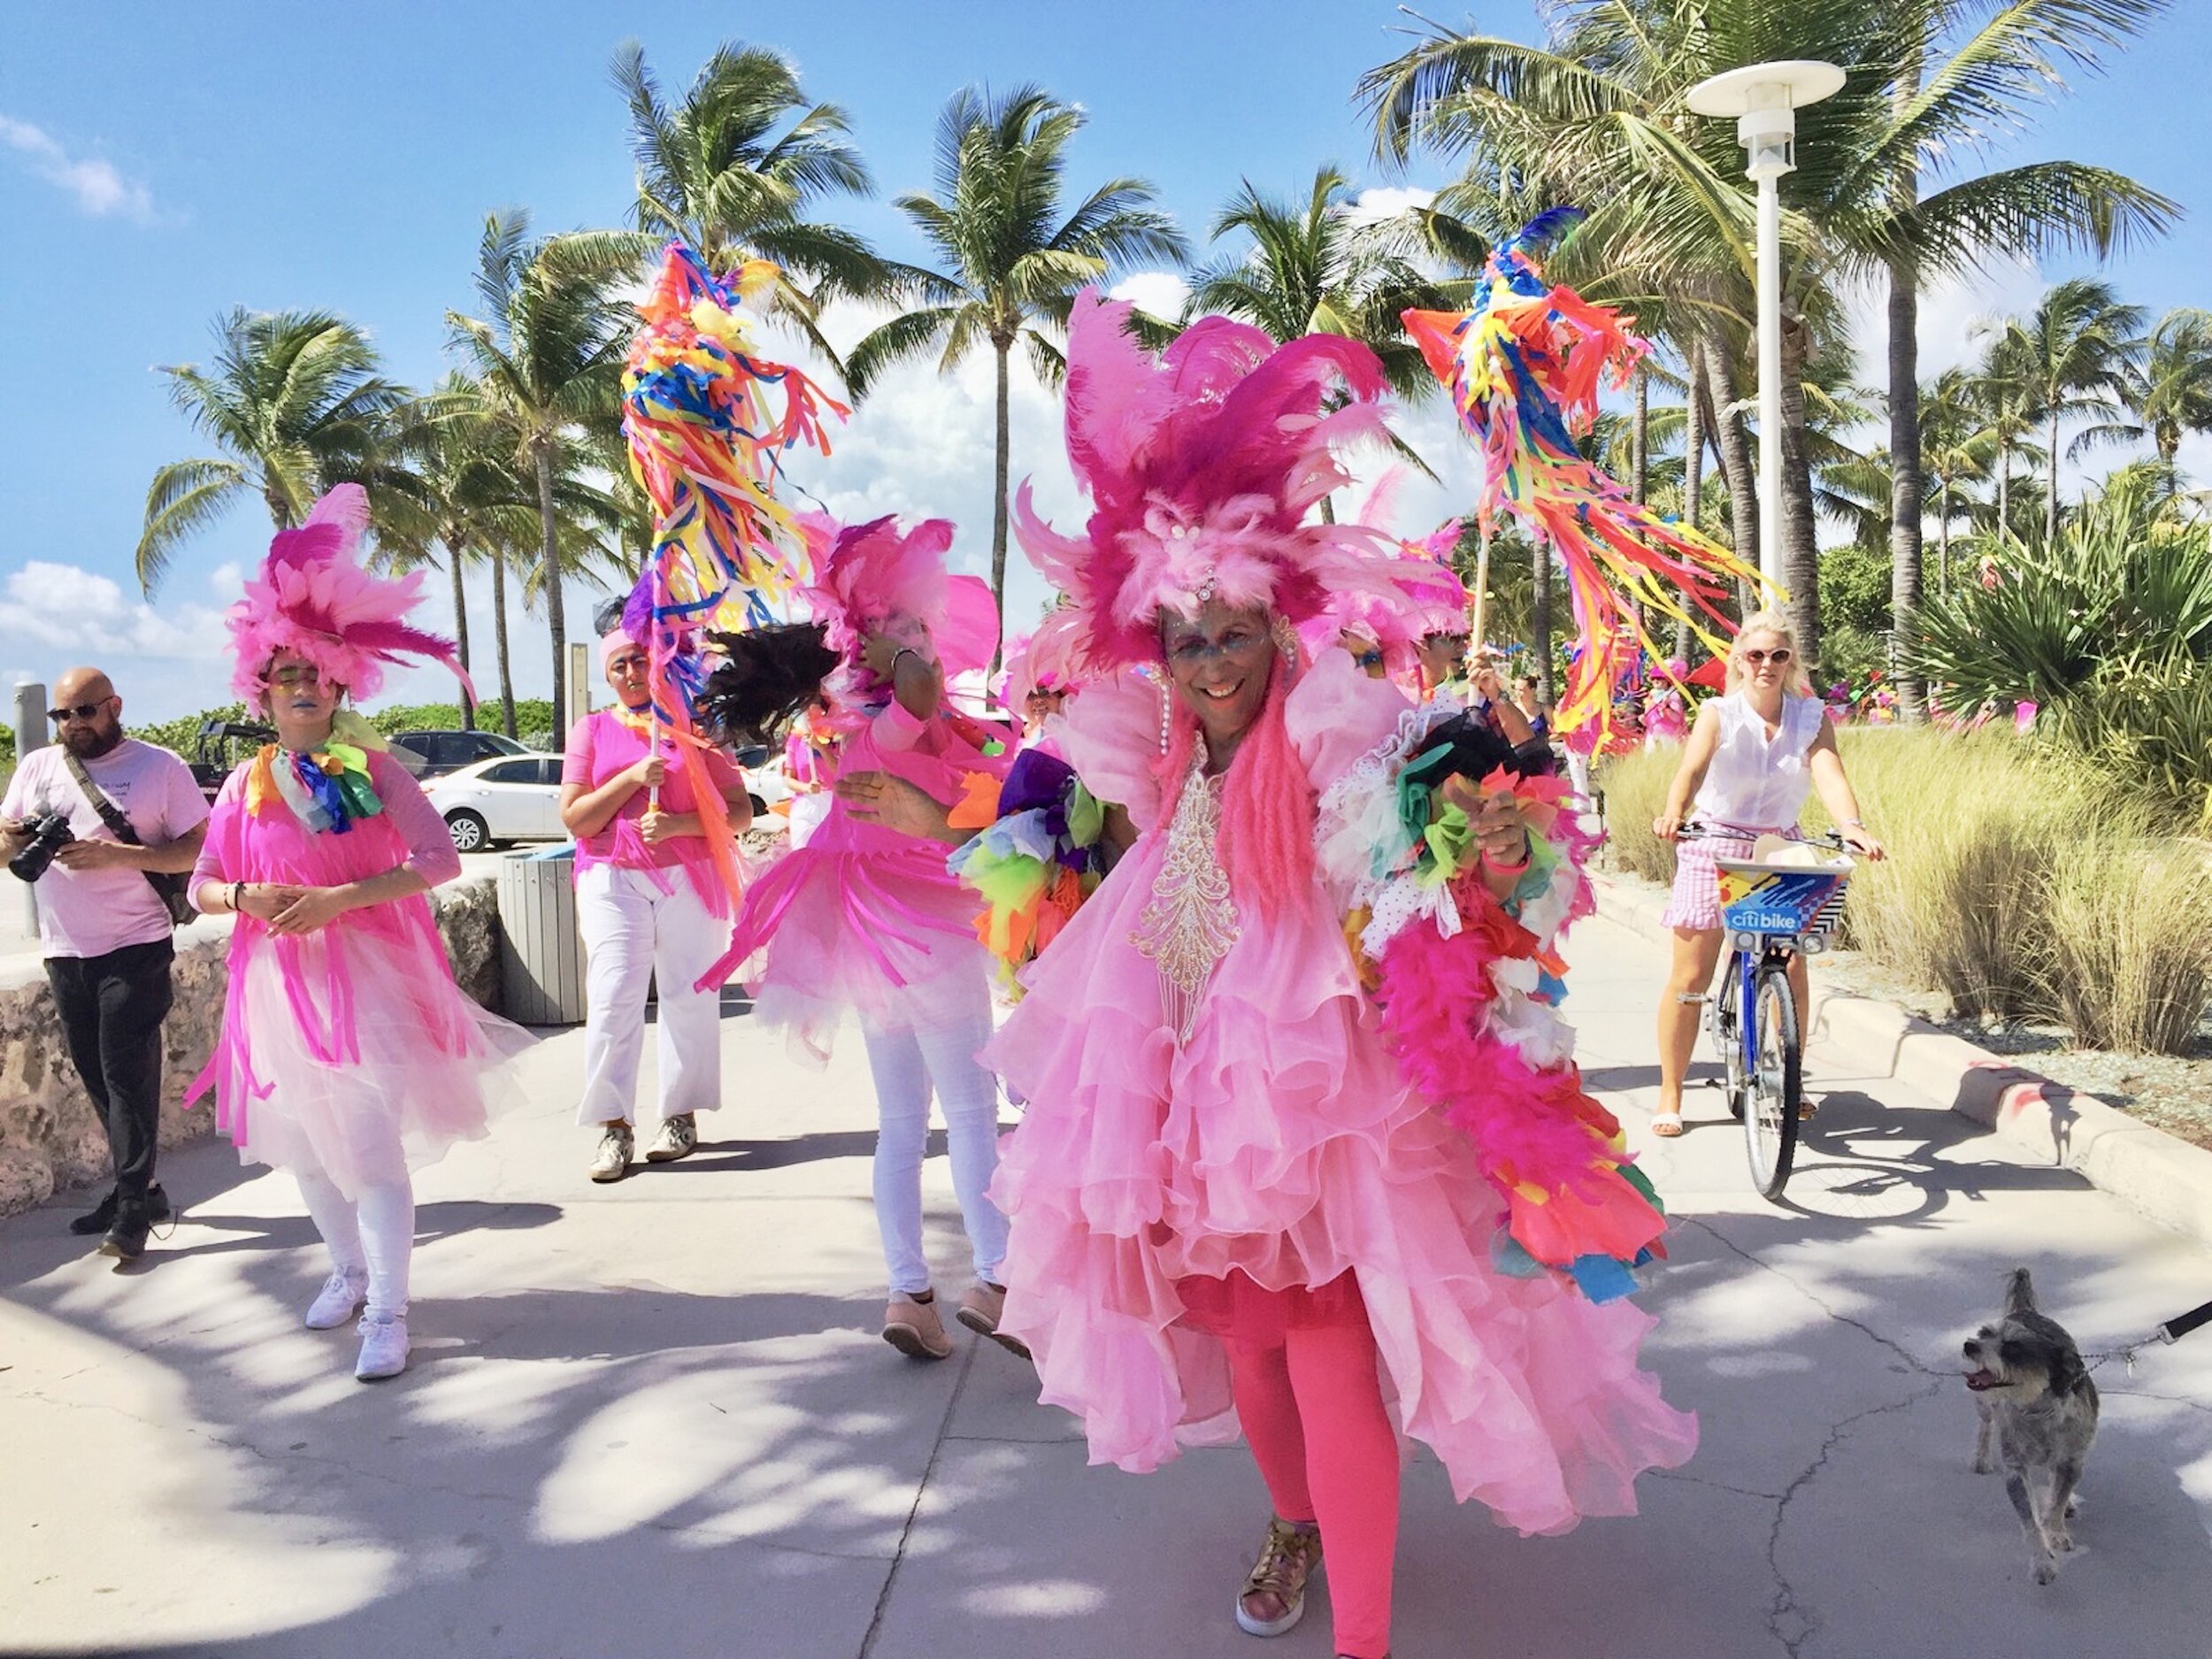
x: 1770, y: 1122
x: 1725, y: 1028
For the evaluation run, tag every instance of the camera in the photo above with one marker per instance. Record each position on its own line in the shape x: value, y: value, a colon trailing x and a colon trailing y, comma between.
x: 49, y: 835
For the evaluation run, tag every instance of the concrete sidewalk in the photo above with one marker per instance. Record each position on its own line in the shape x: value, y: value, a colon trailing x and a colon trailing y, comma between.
x: 655, y: 1419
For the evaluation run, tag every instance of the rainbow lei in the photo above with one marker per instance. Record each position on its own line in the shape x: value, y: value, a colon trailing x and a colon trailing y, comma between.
x: 1524, y: 368
x: 327, y: 788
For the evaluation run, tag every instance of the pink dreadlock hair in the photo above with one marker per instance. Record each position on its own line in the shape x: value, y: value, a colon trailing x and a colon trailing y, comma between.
x: 1267, y: 801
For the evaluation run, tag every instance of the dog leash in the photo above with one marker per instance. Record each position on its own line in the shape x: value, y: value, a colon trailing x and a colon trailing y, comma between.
x: 2169, y: 1332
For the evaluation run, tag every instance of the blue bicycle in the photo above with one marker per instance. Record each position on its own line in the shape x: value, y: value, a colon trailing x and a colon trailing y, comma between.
x: 1771, y: 913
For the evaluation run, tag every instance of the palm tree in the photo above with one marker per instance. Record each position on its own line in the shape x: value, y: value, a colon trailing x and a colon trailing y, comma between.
x: 1596, y: 116
x: 2167, y: 393
x: 1313, y: 269
x: 1013, y: 258
x: 547, y: 357
x: 1946, y: 101
x: 2070, y: 360
x: 734, y: 171
x: 294, y: 404
x: 479, y: 507
x: 1956, y: 446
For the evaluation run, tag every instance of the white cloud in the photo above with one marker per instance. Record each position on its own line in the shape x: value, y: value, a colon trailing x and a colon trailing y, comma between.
x: 1381, y: 201
x: 98, y: 188
x: 1159, y: 292
x: 56, y: 616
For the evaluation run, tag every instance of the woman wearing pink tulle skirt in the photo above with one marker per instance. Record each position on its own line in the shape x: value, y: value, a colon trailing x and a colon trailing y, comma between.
x: 1228, y: 1206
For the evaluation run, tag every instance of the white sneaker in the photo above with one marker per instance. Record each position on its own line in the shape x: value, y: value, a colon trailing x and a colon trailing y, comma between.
x: 338, y: 1300
x: 611, y: 1161
x: 678, y: 1138
x: 383, y: 1347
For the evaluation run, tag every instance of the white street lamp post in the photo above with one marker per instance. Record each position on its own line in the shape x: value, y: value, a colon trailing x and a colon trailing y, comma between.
x: 1764, y: 98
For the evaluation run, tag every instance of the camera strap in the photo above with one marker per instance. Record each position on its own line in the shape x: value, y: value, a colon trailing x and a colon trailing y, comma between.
x: 170, y: 889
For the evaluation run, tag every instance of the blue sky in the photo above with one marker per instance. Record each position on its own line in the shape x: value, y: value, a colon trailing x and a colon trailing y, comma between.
x: 158, y: 165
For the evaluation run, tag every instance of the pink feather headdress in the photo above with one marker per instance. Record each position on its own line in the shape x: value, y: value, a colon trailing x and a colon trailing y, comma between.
x: 312, y: 596
x: 1202, y: 465
x: 872, y: 578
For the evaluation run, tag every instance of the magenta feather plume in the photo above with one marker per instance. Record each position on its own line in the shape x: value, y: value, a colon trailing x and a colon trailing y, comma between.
x: 313, y: 598
x: 1201, y: 466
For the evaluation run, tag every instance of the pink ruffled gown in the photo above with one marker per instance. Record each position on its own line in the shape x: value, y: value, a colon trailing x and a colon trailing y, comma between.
x: 864, y: 919
x: 1272, y: 1168
x: 347, y: 1047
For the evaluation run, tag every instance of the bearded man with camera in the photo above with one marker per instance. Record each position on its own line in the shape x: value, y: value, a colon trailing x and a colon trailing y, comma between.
x: 104, y: 828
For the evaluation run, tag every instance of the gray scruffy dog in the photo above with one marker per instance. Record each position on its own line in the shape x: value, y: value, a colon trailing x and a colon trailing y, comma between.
x: 2034, y: 1393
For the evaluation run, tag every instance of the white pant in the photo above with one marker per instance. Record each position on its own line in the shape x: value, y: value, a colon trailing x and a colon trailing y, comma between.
x: 635, y: 935
x: 905, y: 1065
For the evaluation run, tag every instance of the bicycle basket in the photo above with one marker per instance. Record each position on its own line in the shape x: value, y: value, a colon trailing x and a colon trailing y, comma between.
x: 1756, y: 898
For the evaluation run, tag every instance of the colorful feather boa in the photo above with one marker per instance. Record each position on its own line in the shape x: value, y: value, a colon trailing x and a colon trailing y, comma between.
x: 1468, y: 988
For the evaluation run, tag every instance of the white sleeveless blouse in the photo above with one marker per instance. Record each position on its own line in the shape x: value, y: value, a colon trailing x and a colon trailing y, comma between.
x: 1755, y: 783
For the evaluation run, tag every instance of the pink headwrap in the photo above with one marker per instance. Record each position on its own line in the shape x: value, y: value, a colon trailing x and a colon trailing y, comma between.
x: 611, y: 641
x: 312, y: 597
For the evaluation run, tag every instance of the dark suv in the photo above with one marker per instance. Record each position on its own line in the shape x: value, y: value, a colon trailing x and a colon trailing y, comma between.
x: 443, y: 752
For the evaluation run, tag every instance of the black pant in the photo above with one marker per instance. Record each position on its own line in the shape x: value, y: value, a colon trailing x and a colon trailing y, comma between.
x: 111, y: 1008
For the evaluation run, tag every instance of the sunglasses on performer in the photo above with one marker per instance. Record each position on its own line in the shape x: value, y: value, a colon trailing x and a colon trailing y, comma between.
x: 1779, y: 655
x: 81, y: 711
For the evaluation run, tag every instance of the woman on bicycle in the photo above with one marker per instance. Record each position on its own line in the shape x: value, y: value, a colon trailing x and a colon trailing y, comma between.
x: 1753, y: 756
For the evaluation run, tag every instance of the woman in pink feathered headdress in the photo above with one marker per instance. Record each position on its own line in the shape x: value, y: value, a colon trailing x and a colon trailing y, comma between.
x: 1224, y: 1194
x: 347, y: 1055
x: 863, y: 918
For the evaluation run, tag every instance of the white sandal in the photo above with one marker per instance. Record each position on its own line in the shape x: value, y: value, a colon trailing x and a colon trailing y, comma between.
x: 1666, y: 1125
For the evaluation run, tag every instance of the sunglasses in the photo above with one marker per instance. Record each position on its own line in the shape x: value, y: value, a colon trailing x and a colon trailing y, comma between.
x: 1779, y: 655
x: 1369, y: 659
x: 81, y: 711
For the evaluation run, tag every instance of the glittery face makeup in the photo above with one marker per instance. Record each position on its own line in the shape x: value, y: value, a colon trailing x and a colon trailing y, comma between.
x: 1219, y: 661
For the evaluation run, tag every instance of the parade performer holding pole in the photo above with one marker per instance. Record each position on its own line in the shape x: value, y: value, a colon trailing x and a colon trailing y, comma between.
x: 1227, y: 1192
x: 656, y: 808
x: 347, y: 1055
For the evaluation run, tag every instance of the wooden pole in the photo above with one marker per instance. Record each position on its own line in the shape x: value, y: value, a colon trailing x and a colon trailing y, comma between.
x: 1482, y: 592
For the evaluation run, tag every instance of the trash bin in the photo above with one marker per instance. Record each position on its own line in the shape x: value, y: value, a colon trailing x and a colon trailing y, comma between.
x: 540, y: 955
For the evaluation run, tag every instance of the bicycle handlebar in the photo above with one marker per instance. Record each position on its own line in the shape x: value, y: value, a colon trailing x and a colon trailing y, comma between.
x: 1705, y: 831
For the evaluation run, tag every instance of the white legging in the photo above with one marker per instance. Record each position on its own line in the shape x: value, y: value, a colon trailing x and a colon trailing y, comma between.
x: 374, y: 1236
x: 905, y: 1065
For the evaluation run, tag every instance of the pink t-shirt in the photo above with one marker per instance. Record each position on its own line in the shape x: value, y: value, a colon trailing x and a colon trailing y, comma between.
x: 599, y: 746
x: 90, y: 913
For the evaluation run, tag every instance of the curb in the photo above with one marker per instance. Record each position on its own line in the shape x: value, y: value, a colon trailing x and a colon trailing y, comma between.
x: 2163, y: 1177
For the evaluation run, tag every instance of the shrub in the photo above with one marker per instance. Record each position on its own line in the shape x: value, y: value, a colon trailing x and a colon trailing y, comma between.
x: 2131, y: 957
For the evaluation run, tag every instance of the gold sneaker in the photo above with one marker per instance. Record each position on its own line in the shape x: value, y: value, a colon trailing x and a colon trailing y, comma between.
x: 1289, y: 1557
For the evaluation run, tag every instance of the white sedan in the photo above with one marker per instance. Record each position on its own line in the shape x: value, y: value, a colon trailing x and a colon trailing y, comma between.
x: 518, y: 798
x: 512, y: 798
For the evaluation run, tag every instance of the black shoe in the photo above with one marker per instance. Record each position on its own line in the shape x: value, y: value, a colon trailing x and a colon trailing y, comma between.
x: 126, y: 1240
x: 103, y: 1217
x: 99, y: 1221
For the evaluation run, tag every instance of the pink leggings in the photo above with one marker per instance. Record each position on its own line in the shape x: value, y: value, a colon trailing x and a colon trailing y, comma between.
x: 1312, y: 1409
